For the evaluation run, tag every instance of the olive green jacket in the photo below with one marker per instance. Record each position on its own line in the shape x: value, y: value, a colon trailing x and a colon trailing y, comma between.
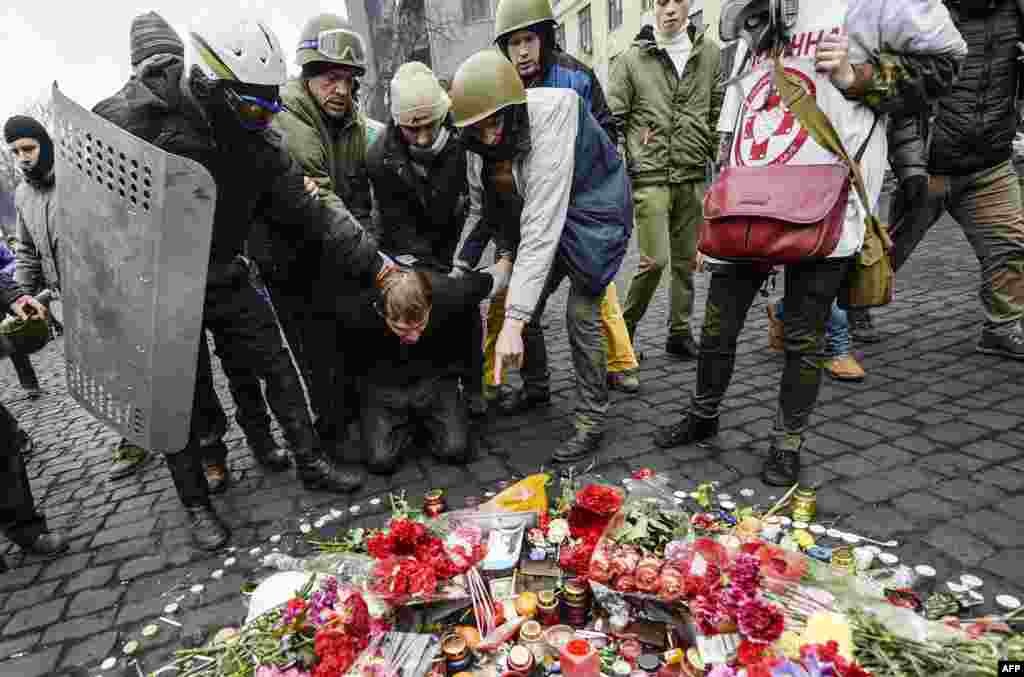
x: 668, y: 122
x: 333, y: 155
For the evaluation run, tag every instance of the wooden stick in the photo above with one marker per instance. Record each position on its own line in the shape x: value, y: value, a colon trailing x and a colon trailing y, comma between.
x: 782, y: 501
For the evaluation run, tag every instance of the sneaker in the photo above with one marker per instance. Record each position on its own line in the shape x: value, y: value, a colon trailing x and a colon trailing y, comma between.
x: 128, y: 458
x: 862, y: 328
x: 776, y: 333
x: 688, y: 430
x: 582, y: 444
x: 625, y: 381
x: 845, y: 368
x: 682, y: 346
x: 1004, y: 345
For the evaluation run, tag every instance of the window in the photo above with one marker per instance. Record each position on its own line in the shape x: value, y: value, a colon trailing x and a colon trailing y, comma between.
x: 614, y: 14
x: 560, y: 35
x: 586, y: 33
x: 476, y: 10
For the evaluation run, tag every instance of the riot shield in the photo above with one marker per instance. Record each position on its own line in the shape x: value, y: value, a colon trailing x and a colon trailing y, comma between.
x: 135, y: 225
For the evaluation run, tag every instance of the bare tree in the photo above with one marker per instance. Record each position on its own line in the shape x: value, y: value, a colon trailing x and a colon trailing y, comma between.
x: 404, y: 31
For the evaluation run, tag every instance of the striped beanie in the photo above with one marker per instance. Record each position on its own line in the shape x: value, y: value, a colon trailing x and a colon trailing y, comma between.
x: 151, y: 34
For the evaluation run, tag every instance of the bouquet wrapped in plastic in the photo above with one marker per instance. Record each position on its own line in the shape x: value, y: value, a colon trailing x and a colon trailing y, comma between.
x: 395, y: 654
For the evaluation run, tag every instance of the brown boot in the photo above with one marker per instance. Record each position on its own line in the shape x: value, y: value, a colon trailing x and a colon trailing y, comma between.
x: 776, y: 333
x: 845, y: 368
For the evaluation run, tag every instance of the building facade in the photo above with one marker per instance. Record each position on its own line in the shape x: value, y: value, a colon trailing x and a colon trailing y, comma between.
x: 597, y: 31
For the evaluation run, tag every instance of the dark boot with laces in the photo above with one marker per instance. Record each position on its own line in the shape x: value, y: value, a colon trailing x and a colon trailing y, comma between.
x: 782, y: 467
x: 1004, y: 345
x: 688, y: 430
x: 208, y: 533
x: 862, y: 327
x: 583, y: 444
x: 319, y: 473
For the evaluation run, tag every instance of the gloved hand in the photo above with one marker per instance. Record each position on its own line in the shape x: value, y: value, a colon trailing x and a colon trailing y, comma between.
x: 406, y: 259
x: 388, y: 266
x: 459, y: 269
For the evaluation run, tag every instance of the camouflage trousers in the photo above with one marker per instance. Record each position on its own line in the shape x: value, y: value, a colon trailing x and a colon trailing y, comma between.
x: 987, y: 205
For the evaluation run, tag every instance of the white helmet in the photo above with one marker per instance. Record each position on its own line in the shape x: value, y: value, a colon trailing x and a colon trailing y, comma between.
x: 245, y: 51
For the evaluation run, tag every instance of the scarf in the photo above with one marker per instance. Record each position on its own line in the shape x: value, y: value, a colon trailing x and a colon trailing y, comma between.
x: 678, y: 47
x: 424, y: 156
x: 515, y: 139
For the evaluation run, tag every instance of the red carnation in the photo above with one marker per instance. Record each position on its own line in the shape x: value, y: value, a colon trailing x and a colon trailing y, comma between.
x: 748, y: 653
x: 760, y: 621
x: 379, y: 546
x: 599, y: 499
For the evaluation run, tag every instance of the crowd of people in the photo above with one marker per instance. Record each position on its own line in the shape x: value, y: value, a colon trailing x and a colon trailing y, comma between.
x: 346, y: 255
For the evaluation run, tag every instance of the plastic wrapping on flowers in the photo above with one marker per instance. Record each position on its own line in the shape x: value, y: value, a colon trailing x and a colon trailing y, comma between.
x: 395, y: 654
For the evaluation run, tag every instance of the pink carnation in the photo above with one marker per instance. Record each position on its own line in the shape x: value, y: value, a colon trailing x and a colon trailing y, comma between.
x: 760, y: 621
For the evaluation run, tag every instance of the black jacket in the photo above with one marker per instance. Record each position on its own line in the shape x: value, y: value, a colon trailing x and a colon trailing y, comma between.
x: 253, y: 172
x: 974, y: 126
x: 419, y: 216
x: 379, y: 358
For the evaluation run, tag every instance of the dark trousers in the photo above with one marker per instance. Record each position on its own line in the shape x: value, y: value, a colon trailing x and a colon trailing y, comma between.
x: 810, y: 290
x: 430, y: 410
x: 987, y: 205
x: 26, y: 373
x: 18, y: 516
x: 248, y: 342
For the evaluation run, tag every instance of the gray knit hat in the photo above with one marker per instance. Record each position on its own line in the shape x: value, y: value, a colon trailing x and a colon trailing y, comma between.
x: 151, y: 34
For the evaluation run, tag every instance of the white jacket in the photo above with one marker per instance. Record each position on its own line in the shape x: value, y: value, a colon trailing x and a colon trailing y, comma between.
x: 765, y: 135
x: 544, y: 178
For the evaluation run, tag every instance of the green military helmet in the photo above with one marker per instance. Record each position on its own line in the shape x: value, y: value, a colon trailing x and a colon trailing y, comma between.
x: 328, y: 38
x: 23, y: 336
x: 484, y: 84
x: 516, y: 15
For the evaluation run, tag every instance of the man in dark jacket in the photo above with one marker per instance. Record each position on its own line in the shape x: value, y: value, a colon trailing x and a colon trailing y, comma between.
x: 418, y: 172
x: 328, y: 136
x: 969, y: 171
x: 219, y: 116
x: 18, y: 517
x: 414, y: 343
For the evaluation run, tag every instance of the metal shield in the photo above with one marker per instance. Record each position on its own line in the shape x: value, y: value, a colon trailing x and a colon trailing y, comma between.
x: 135, y: 225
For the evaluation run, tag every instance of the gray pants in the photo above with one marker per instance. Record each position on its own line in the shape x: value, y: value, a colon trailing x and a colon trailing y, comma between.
x: 588, y: 344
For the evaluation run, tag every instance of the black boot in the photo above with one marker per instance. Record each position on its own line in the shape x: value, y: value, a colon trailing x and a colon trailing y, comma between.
x: 208, y: 533
x: 579, y: 447
x: 317, y: 472
x: 782, y: 467
x: 688, y: 430
x: 267, y: 452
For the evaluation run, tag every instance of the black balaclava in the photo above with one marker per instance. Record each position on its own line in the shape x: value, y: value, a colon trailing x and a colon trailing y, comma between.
x: 24, y: 127
x: 221, y: 117
x: 515, y: 136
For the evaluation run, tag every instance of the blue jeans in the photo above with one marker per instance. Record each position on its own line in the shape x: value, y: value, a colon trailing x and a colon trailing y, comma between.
x: 837, y: 331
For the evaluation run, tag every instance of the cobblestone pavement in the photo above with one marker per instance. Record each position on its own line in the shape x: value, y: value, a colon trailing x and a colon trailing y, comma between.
x: 929, y: 450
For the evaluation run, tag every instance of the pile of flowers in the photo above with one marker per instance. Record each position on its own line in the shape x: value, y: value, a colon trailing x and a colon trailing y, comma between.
x: 813, y: 660
x: 319, y: 632
x: 589, y: 515
x: 411, y: 561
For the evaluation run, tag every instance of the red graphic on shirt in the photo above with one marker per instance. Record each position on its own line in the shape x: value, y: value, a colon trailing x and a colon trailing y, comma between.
x: 771, y: 134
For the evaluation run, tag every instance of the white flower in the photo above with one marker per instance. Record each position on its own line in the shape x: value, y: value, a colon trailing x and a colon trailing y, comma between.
x: 558, y: 531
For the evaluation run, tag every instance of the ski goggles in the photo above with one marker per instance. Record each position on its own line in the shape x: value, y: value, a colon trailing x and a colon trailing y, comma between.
x: 338, y: 44
x: 253, y: 112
